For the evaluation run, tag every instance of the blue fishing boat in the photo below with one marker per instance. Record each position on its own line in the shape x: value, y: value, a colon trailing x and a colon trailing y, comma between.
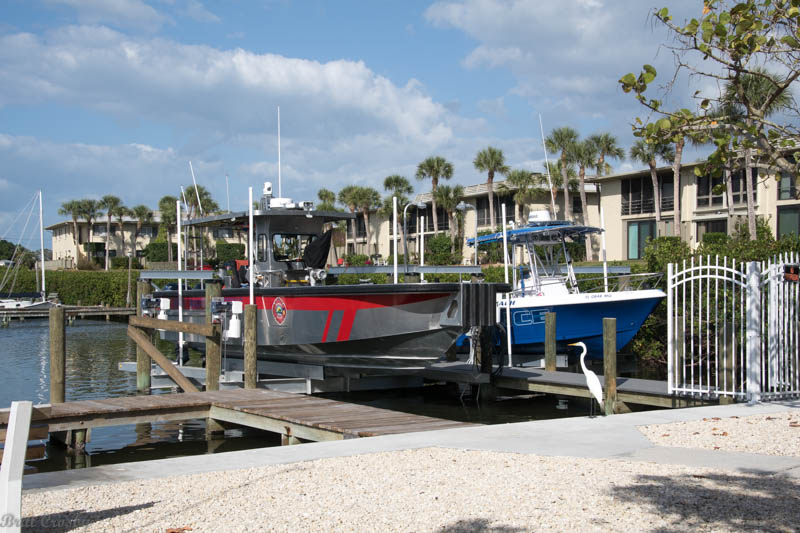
x: 545, y: 281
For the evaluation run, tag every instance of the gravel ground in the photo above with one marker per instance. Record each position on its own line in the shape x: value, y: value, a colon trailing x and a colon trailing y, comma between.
x: 774, y: 434
x: 431, y: 489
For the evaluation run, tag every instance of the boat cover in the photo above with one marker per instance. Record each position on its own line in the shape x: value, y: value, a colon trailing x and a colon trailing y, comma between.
x: 553, y: 231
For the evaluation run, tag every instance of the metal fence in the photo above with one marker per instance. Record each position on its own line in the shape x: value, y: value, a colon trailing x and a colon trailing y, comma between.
x: 732, y: 328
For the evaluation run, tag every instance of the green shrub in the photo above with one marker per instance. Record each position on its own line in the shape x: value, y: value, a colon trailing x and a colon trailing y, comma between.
x: 158, y: 252
x: 356, y: 259
x: 122, y: 262
x: 438, y: 251
x: 87, y: 287
x: 229, y: 251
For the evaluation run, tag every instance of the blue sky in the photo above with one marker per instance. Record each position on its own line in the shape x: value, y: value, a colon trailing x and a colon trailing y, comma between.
x: 117, y: 96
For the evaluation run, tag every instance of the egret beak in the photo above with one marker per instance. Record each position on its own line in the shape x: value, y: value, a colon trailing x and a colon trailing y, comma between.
x: 573, y: 344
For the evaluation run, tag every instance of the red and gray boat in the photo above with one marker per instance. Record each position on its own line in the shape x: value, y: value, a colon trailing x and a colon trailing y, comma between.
x: 305, y: 316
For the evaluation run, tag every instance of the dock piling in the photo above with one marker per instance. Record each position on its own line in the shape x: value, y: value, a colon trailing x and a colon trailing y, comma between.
x: 550, y: 342
x: 610, y: 364
x: 213, y: 351
x: 58, y: 355
x: 250, y: 338
x: 143, y: 364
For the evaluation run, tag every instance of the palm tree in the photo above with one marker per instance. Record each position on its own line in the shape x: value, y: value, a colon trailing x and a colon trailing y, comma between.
x: 71, y: 208
x: 400, y: 187
x: 327, y: 199
x: 348, y: 197
x: 367, y: 199
x: 169, y: 216
x: 526, y: 189
x: 491, y: 160
x: 754, y: 96
x: 553, y: 168
x: 448, y: 197
x: 562, y: 140
x: 606, y: 145
x: 435, y: 168
x: 108, y: 203
x: 208, y: 204
x: 585, y: 154
x: 649, y: 154
x: 89, y: 211
x: 120, y: 213
x: 143, y: 215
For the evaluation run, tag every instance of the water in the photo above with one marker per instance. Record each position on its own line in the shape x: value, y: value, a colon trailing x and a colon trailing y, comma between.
x: 95, y: 348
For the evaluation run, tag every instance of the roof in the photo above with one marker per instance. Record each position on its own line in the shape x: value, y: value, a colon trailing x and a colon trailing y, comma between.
x: 482, y: 189
x: 241, y: 218
x: 645, y: 172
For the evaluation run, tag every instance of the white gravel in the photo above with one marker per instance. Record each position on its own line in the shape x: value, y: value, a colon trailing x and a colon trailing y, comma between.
x: 431, y: 489
x: 773, y: 434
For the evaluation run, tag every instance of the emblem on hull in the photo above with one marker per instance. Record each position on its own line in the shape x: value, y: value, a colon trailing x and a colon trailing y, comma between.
x: 279, y: 310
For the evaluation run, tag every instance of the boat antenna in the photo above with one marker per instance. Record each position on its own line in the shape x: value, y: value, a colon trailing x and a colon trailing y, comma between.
x: 183, y: 195
x: 547, y: 167
x: 194, y: 182
x: 41, y: 243
x: 280, y: 191
x: 228, y: 193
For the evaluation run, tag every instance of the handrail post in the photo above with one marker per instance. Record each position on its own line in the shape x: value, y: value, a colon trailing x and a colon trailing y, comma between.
x: 143, y: 364
x: 610, y: 364
x: 250, y: 341
x: 213, y: 351
x: 550, y: 342
x: 58, y: 355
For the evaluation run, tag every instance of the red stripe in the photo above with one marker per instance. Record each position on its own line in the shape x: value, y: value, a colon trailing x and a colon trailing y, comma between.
x: 347, y: 325
x: 327, y: 326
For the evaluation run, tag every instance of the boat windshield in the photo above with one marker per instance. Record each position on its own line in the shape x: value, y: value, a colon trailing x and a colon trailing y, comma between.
x: 290, y: 247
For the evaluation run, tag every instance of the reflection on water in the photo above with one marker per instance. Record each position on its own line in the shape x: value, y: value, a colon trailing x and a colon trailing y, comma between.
x: 95, y: 348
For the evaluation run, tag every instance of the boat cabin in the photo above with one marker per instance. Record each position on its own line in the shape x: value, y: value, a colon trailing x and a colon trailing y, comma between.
x: 291, y: 240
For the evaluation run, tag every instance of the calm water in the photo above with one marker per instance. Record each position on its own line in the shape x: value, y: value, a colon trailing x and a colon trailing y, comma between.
x: 95, y: 349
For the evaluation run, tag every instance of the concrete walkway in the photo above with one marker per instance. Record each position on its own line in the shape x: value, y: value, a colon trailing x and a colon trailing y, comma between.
x: 600, y: 437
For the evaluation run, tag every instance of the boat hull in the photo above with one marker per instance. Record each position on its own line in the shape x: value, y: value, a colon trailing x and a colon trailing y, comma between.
x: 367, y: 326
x: 579, y: 317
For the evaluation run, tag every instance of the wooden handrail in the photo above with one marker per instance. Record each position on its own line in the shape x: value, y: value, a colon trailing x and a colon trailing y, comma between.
x: 206, y: 330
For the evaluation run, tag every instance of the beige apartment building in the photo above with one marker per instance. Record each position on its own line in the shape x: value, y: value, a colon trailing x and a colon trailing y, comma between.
x: 67, y: 249
x: 628, y: 204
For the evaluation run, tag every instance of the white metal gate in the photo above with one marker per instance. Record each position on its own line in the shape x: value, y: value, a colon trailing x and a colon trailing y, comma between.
x: 733, y: 328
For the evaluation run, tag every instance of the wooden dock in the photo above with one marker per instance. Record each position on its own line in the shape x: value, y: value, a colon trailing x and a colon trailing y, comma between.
x: 294, y: 416
x: 629, y: 390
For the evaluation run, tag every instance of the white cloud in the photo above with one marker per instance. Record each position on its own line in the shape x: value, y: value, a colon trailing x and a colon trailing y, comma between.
x: 120, y: 13
x: 219, y: 90
x: 197, y: 11
x: 566, y: 56
x: 494, y: 106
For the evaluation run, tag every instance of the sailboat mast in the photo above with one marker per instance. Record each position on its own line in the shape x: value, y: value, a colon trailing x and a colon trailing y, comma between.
x: 547, y: 167
x: 41, y: 244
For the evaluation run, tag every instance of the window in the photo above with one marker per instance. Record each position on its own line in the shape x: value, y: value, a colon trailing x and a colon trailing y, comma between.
x: 788, y: 220
x: 787, y: 189
x: 705, y: 191
x: 99, y: 230
x: 638, y: 234
x: 637, y: 195
x: 711, y: 226
x: 289, y: 247
x: 361, y: 229
x: 262, y: 247
x: 739, y: 186
x: 442, y: 219
x: 222, y: 233
x: 482, y: 205
x: 411, y: 221
x: 149, y: 231
x: 577, y: 206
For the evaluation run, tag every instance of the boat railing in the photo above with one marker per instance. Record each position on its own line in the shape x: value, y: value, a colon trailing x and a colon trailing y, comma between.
x: 621, y: 282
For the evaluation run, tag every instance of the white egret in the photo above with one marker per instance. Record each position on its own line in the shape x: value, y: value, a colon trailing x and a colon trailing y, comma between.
x: 592, y: 380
